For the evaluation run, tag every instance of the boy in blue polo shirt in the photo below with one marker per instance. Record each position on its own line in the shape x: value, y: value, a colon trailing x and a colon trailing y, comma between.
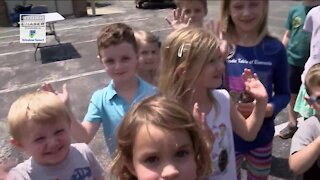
x: 117, y: 51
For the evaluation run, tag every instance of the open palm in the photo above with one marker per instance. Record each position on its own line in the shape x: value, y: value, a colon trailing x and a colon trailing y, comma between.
x: 179, y: 20
x: 62, y: 95
x: 253, y: 86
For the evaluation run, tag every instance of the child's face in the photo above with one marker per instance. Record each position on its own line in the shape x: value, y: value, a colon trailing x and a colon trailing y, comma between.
x: 148, y: 56
x: 246, y: 15
x: 314, y: 99
x: 161, y: 154
x: 120, y: 61
x: 211, y: 75
x: 48, y: 144
x: 194, y: 10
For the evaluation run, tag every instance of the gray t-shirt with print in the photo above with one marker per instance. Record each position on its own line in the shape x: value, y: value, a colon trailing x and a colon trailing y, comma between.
x: 80, y: 164
x: 308, y: 131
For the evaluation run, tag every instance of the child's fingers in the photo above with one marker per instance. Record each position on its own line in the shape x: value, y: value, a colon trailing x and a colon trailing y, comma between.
x: 64, y: 88
x: 50, y: 88
x: 46, y: 87
x: 224, y: 49
x: 208, y: 26
x: 168, y: 20
x: 182, y: 16
x: 186, y: 19
x: 217, y: 29
x: 189, y: 22
x: 42, y: 88
x: 213, y: 26
x: 177, y: 14
x: 247, y: 74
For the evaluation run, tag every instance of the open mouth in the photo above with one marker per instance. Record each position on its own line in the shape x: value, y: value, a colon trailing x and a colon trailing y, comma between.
x: 56, y: 151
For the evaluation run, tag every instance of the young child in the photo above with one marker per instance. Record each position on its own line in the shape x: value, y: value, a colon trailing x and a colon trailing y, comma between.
x: 244, y: 24
x: 192, y: 67
x: 305, y: 146
x: 312, y: 25
x: 117, y: 49
x: 297, y: 42
x: 159, y: 139
x: 188, y: 13
x: 40, y: 126
x: 149, y: 57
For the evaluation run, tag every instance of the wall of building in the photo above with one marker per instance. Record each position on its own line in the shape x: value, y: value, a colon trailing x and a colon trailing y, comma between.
x: 4, y: 21
x: 77, y: 8
x: 64, y: 7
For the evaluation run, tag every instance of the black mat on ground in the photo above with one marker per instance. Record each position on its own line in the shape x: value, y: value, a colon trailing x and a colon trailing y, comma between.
x: 58, y: 52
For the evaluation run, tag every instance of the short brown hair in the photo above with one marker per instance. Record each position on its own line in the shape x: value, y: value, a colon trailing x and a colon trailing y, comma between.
x: 115, y: 34
x: 312, y: 78
x: 41, y: 107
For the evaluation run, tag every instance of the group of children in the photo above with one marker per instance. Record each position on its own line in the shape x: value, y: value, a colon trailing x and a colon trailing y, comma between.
x: 206, y: 113
x: 303, y: 50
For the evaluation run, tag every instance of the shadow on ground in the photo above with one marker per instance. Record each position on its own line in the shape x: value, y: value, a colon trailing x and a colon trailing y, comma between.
x: 281, y: 163
x: 58, y: 52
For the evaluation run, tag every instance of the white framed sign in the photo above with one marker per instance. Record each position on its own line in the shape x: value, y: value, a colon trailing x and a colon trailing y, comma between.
x: 32, y: 28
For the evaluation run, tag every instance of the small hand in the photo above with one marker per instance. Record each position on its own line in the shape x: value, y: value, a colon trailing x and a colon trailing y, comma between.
x: 62, y: 95
x: 5, y: 167
x: 253, y: 86
x: 214, y: 27
x: 180, y: 20
x: 200, y: 118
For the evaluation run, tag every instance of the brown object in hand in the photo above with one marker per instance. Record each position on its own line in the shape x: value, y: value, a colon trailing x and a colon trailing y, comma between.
x: 245, y: 98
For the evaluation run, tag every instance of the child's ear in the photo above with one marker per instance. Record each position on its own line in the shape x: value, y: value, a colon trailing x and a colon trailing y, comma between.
x: 130, y: 167
x: 15, y: 143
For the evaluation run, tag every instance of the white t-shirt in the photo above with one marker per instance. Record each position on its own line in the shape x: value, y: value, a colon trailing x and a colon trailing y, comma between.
x: 312, y: 25
x: 223, y: 153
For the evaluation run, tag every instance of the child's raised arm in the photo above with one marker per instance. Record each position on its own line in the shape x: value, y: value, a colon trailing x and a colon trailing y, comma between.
x: 179, y: 20
x: 301, y: 161
x: 200, y: 118
x: 249, y: 128
x: 81, y: 132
